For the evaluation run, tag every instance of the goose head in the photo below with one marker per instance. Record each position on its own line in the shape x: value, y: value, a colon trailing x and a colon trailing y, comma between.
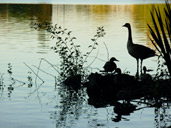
x: 127, y: 25
x: 113, y: 59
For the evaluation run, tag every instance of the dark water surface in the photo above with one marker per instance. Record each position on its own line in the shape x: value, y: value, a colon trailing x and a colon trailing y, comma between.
x: 35, y: 104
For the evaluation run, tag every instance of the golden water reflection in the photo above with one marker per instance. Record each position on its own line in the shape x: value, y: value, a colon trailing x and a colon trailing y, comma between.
x: 82, y: 20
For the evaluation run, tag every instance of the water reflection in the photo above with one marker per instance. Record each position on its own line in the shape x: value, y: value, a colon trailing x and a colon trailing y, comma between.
x: 17, y: 38
x: 18, y: 17
x: 162, y: 117
x: 72, y: 107
x: 15, y: 20
x: 22, y: 11
x: 69, y: 108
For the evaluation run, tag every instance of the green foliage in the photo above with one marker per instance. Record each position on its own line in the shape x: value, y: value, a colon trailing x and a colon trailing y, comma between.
x: 72, y: 59
x: 9, y: 68
x: 161, y: 73
x: 30, y: 80
x: 161, y: 34
x: 1, y: 82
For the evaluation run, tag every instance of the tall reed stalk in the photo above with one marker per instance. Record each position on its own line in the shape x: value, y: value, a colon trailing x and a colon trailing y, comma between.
x: 161, y: 33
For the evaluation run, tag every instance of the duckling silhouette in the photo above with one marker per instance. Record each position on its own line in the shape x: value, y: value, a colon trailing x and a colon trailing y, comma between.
x: 110, y: 65
x: 137, y: 51
x: 123, y: 80
x: 146, y: 77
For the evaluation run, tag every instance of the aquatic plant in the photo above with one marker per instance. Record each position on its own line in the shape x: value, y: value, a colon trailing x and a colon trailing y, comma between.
x: 162, y: 40
x: 1, y: 82
x: 72, y: 60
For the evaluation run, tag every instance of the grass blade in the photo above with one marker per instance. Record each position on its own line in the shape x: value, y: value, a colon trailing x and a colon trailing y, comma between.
x: 161, y: 23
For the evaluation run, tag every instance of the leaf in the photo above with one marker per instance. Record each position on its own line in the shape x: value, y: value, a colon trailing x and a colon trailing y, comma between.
x: 52, y: 37
x: 93, y: 39
x: 59, y: 38
x: 74, y: 38
x: 158, y: 37
x: 66, y: 38
x: 58, y: 32
x: 163, y: 32
x: 77, y: 46
x: 69, y: 32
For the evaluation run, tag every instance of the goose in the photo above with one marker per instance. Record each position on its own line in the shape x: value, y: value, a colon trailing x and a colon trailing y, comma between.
x: 110, y: 65
x: 139, y: 52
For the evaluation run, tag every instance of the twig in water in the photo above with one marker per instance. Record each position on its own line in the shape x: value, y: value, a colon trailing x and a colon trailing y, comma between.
x: 51, y: 65
x: 44, y: 71
x: 34, y: 72
x: 38, y: 70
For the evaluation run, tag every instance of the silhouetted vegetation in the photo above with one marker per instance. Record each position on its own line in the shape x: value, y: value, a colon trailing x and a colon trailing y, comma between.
x: 162, y: 41
x: 72, y: 69
x: 111, y: 87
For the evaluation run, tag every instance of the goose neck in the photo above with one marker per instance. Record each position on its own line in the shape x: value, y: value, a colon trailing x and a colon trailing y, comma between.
x: 129, y: 34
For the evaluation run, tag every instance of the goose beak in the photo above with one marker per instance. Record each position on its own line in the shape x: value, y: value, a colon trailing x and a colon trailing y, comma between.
x: 124, y: 25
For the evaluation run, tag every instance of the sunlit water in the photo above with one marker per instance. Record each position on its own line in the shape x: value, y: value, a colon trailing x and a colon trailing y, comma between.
x: 37, y: 105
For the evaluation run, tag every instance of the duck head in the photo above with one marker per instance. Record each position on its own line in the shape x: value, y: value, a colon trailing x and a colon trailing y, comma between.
x: 113, y: 59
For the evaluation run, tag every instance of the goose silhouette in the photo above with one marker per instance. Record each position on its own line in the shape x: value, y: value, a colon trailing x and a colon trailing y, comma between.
x: 139, y: 52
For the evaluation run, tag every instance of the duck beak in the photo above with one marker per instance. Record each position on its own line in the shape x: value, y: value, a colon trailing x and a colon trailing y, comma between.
x: 116, y: 60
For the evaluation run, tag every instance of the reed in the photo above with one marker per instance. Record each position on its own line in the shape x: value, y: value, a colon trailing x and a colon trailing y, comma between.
x: 161, y: 33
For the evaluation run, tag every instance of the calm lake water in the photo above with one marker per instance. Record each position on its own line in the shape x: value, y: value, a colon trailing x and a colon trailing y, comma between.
x: 26, y: 102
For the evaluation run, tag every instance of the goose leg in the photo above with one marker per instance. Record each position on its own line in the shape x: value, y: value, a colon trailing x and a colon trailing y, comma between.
x: 141, y: 66
x: 137, y: 74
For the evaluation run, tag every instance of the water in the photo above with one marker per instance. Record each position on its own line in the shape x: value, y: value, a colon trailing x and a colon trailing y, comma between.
x: 85, y: 2
x: 46, y: 105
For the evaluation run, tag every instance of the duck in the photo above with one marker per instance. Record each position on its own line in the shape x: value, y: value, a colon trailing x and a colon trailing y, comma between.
x: 139, y: 52
x: 110, y: 65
